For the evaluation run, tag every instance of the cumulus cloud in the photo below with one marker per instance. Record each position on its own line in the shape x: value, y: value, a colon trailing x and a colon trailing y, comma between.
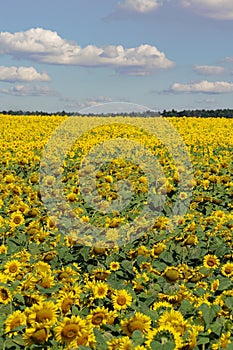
x: 208, y: 70
x: 27, y: 90
x: 218, y: 9
x: 207, y: 87
x: 140, y: 6
x: 89, y: 102
x: 21, y: 74
x: 46, y: 46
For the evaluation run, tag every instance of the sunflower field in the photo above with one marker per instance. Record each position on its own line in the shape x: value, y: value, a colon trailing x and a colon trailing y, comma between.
x: 164, y: 285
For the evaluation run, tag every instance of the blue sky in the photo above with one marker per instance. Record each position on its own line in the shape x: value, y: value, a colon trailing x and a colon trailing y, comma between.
x: 71, y: 54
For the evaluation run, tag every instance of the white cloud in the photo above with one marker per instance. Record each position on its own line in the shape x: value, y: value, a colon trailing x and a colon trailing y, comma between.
x: 208, y: 70
x: 89, y: 102
x: 204, y: 86
x: 46, y: 46
x: 218, y: 9
x: 21, y: 74
x: 140, y: 6
x: 26, y: 90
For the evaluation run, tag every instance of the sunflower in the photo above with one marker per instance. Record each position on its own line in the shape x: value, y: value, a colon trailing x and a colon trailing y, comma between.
x: 38, y: 335
x: 12, y: 268
x: 121, y: 299
x: 17, y: 219
x: 227, y: 269
x: 66, y: 300
x: 114, y: 265
x: 5, y: 295
x: 70, y: 329
x: 139, y: 322
x: 100, y: 290
x: 171, y: 274
x: 174, y: 319
x: 3, y: 249
x: 98, y: 316
x: 126, y: 344
x: 211, y: 261
x: 164, y: 334
x: 16, y: 319
x: 43, y: 313
x: 100, y: 274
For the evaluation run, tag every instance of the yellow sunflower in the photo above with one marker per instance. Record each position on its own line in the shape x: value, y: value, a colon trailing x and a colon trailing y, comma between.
x: 16, y: 319
x: 98, y: 316
x: 121, y: 299
x: 38, y: 335
x: 100, y: 290
x: 12, y: 268
x: 5, y: 295
x: 227, y: 269
x: 139, y: 322
x: 211, y: 261
x: 114, y: 265
x: 174, y: 319
x: 17, y: 219
x: 43, y: 313
x: 70, y: 329
x: 164, y: 334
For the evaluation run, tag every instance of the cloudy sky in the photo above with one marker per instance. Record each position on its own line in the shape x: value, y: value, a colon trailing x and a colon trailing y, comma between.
x: 71, y: 54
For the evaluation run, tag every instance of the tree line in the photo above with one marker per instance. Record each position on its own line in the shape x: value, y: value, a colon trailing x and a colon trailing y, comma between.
x: 201, y: 113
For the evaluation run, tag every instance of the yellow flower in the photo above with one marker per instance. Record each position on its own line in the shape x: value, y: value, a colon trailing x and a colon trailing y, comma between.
x: 174, y: 319
x: 164, y: 334
x: 121, y: 299
x: 211, y: 261
x: 114, y: 265
x: 16, y: 319
x: 12, y: 268
x: 70, y: 329
x: 98, y: 316
x: 38, y: 335
x: 227, y: 269
x: 3, y: 249
x: 139, y: 322
x: 45, y: 313
x: 17, y: 219
x: 5, y: 295
x: 100, y: 290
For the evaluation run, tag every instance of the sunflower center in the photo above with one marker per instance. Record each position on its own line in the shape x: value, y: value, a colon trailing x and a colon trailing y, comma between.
x: 211, y: 262
x: 66, y: 305
x: 39, y: 336
x: 17, y: 220
x: 121, y: 300
x: 15, y: 323
x: 135, y: 325
x: 13, y: 268
x: 228, y: 270
x: 44, y: 315
x: 98, y: 318
x: 4, y: 294
x: 70, y: 332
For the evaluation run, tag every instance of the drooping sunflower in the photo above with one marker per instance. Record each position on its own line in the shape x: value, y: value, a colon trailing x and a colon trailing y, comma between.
x: 121, y: 299
x: 5, y: 295
x: 38, y: 335
x: 211, y: 261
x: 164, y: 334
x: 139, y: 322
